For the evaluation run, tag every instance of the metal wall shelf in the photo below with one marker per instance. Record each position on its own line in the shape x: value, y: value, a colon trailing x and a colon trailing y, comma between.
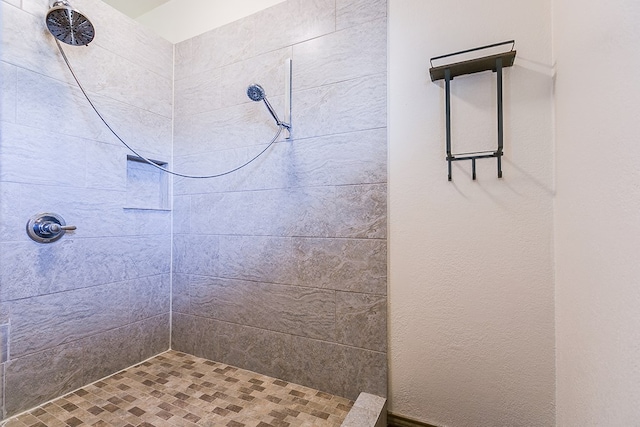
x: 495, y: 63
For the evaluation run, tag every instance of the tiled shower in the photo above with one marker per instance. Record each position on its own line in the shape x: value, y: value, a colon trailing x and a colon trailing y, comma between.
x: 279, y: 268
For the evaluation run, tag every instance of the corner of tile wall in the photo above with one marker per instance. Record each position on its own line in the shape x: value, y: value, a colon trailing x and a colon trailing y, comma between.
x: 367, y: 411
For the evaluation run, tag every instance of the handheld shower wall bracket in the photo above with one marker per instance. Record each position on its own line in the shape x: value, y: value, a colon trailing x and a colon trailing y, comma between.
x: 255, y: 92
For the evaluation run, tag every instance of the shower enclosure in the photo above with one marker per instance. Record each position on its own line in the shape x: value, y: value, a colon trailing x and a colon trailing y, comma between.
x: 279, y: 268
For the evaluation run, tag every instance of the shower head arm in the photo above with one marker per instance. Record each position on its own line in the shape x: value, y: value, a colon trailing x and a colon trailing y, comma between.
x: 274, y: 115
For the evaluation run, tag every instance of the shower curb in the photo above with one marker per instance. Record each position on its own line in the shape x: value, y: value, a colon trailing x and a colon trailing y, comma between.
x: 367, y: 411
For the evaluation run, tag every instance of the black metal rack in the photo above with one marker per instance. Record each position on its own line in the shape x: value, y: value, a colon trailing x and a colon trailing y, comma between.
x: 495, y: 63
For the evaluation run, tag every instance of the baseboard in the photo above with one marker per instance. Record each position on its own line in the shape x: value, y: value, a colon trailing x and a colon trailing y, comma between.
x: 395, y: 420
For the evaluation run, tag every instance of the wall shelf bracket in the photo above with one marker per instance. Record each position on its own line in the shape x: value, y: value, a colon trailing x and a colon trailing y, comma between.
x: 494, y: 62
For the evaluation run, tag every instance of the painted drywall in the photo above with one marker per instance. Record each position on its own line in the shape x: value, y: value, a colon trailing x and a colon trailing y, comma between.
x: 471, y: 294
x: 597, y: 212
x: 179, y: 20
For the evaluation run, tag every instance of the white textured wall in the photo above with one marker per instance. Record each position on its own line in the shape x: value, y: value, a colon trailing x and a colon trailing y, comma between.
x: 471, y: 263
x: 179, y: 20
x: 598, y: 212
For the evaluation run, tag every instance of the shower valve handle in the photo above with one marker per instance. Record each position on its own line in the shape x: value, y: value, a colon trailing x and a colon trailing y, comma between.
x: 54, y: 228
x: 47, y: 227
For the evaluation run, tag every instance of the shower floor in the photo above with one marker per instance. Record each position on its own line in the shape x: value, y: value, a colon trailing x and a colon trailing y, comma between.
x: 176, y: 389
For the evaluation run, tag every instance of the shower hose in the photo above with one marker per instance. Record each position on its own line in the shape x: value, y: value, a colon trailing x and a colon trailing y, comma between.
x: 151, y: 162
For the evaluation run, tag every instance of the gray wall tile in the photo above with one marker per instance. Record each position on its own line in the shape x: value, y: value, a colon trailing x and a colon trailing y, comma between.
x: 72, y: 312
x: 349, y: 158
x: 243, y: 125
x: 108, y: 352
x: 281, y: 308
x: 129, y: 39
x: 266, y: 259
x: 344, y: 55
x: 249, y: 348
x: 183, y: 333
x: 149, y: 296
x: 121, y: 79
x: 37, y: 378
x: 38, y: 146
x: 48, y: 321
x: 180, y: 300
x: 152, y: 336
x: 342, y: 107
x: 292, y: 22
x: 357, y: 265
x: 337, y: 369
x: 311, y: 212
x: 361, y: 320
x: 146, y: 255
x: 4, y: 344
x: 198, y: 93
x: 196, y: 254
x: 190, y: 56
x: 8, y: 101
x: 363, y: 211
x: 355, y: 12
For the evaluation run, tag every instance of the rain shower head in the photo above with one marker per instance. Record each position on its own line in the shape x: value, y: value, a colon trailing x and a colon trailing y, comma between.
x: 69, y: 25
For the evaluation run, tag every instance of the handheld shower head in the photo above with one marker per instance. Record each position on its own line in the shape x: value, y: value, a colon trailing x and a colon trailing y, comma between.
x: 255, y: 92
x: 69, y: 25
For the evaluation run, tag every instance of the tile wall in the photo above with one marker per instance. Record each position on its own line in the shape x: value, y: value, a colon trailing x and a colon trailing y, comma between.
x: 281, y: 268
x: 97, y: 300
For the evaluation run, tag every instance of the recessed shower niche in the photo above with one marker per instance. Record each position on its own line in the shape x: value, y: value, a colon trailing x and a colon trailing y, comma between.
x: 147, y: 186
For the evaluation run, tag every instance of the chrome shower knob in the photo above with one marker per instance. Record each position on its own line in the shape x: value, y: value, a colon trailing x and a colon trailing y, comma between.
x: 47, y: 227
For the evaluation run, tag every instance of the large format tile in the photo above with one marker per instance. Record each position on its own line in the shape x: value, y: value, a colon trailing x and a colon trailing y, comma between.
x: 342, y: 107
x: 344, y: 55
x: 292, y: 22
x: 151, y: 336
x: 23, y: 147
x: 183, y: 332
x: 196, y: 254
x: 357, y: 265
x: 28, y: 269
x: 180, y: 300
x: 108, y: 352
x: 281, y: 308
x: 37, y: 378
x: 363, y: 211
x: 243, y: 125
x: 212, y: 49
x: 257, y: 258
x: 27, y: 44
x: 95, y: 213
x: 250, y: 348
x: 44, y: 322
x: 349, y: 158
x: 149, y: 296
x: 355, y: 12
x: 127, y: 38
x: 361, y: 320
x: 122, y: 80
x: 337, y: 369
x: 147, y: 255
x: 40, y: 100
x: 8, y: 80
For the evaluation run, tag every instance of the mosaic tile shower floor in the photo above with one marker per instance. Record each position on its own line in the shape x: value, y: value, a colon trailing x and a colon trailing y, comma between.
x: 176, y: 389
